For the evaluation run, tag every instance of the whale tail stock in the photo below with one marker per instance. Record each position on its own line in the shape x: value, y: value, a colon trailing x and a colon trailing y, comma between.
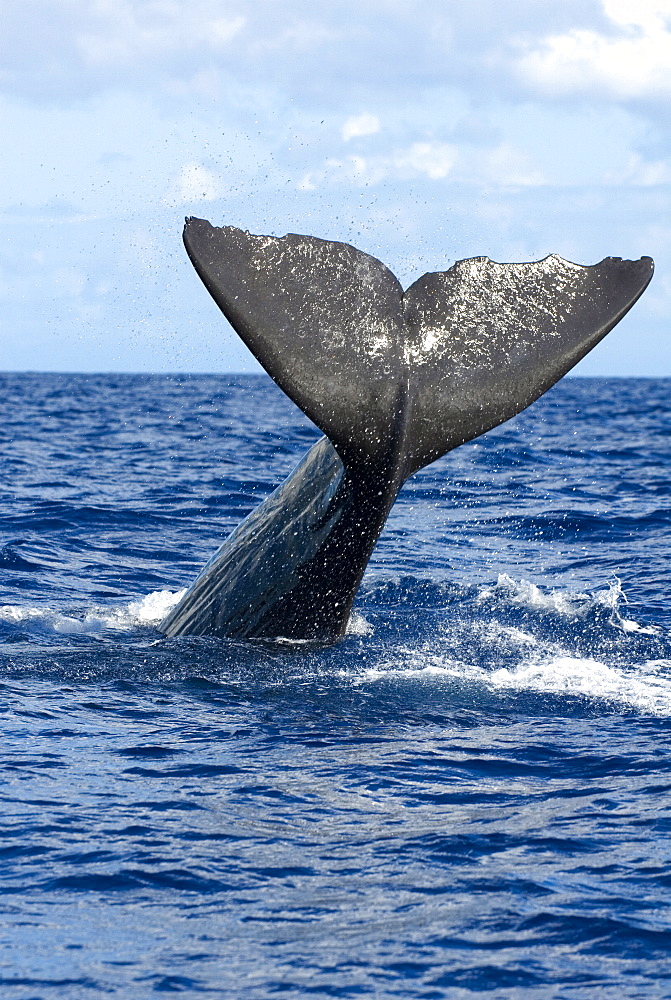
x: 414, y: 374
x: 394, y: 380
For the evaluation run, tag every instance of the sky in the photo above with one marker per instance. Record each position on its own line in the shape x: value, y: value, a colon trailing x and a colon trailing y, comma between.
x: 421, y: 131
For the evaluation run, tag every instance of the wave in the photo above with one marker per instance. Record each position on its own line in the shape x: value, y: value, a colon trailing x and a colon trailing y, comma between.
x: 572, y: 604
x: 147, y: 611
x: 538, y: 648
x: 643, y: 687
x: 511, y: 637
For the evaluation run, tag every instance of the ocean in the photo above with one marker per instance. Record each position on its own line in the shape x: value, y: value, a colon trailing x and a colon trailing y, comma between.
x: 468, y: 796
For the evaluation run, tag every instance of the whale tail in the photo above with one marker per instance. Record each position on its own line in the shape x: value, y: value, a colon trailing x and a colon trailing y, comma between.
x: 400, y: 376
x: 394, y: 379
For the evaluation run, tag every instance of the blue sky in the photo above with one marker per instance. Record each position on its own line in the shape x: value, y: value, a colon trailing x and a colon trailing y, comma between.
x: 422, y: 131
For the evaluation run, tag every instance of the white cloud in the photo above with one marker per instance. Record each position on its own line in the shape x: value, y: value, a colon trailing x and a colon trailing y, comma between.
x: 506, y: 166
x: 72, y: 49
x: 642, y: 173
x: 299, y: 35
x: 196, y: 183
x: 126, y: 31
x: 356, y: 170
x: 503, y: 165
x: 434, y: 159
x: 222, y: 29
x: 356, y: 125
x: 647, y: 14
x: 633, y: 60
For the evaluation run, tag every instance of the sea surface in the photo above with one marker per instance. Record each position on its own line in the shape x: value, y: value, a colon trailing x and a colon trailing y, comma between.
x: 468, y: 796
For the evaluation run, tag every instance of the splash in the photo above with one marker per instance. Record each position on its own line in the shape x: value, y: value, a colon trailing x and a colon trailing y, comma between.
x: 470, y: 642
x: 562, y: 645
x: 15, y: 613
x: 644, y: 687
x: 147, y: 611
x: 570, y: 604
x: 358, y: 625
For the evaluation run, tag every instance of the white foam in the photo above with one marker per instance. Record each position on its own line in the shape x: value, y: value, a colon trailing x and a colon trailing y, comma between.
x: 284, y: 640
x: 408, y: 664
x: 357, y: 625
x: 15, y: 613
x: 523, y: 593
x: 59, y: 622
x: 570, y: 604
x: 542, y: 667
x: 153, y: 608
x: 149, y: 610
x: 644, y: 687
x: 629, y: 625
x: 495, y: 632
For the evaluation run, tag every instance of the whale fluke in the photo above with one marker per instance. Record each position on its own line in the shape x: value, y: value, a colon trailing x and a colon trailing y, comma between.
x: 460, y: 351
x: 394, y: 379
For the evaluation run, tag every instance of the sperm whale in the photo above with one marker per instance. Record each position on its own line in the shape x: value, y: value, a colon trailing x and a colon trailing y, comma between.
x: 394, y: 379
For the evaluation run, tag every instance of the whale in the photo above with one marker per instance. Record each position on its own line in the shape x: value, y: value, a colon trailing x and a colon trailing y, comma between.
x: 394, y: 379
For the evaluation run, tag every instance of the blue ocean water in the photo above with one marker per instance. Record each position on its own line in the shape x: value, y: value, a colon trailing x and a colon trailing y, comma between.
x: 470, y: 795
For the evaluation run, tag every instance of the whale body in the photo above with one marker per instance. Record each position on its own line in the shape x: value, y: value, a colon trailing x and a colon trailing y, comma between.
x: 394, y: 379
